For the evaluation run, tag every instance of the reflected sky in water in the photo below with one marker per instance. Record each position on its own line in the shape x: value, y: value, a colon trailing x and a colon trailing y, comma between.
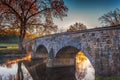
x: 84, y: 69
x: 8, y: 72
x: 88, y: 69
x: 36, y: 70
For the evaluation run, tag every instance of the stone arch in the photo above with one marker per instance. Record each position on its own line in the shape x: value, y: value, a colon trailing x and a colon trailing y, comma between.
x: 70, y: 54
x: 73, y: 50
x: 29, y: 49
x: 41, y: 52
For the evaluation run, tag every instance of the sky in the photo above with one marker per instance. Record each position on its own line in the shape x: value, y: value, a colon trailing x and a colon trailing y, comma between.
x: 86, y: 12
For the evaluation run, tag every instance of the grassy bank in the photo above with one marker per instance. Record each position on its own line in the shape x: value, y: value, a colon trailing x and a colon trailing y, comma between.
x: 110, y: 78
x: 9, y: 48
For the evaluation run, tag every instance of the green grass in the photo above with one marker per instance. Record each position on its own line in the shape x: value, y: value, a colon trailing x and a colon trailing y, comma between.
x: 110, y: 78
x: 9, y: 46
x: 6, y: 44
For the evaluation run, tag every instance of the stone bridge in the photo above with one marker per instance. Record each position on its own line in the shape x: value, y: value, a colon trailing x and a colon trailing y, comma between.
x: 100, y: 45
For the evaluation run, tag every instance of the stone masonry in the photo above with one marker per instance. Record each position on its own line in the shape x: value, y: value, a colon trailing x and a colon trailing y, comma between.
x: 100, y: 45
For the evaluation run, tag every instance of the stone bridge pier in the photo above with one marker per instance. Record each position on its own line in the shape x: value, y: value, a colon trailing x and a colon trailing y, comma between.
x: 100, y: 45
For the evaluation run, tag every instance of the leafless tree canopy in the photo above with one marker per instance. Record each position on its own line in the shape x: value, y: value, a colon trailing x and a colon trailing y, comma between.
x: 111, y: 18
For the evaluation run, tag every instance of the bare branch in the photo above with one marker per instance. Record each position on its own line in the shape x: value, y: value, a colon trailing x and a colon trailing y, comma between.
x: 112, y: 18
x: 36, y: 13
x: 30, y: 7
x: 16, y: 13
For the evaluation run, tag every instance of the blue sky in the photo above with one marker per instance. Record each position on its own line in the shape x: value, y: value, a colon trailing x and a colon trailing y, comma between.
x: 86, y: 12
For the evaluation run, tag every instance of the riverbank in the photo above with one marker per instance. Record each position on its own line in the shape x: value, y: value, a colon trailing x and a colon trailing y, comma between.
x: 8, y: 46
x: 8, y: 49
x: 10, y: 54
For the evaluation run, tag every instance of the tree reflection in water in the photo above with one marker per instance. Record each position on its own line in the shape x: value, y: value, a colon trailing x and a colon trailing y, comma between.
x: 19, y: 75
x: 16, y: 71
x: 36, y: 70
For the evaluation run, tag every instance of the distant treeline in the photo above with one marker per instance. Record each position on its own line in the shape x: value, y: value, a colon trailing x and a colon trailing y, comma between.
x: 8, y: 39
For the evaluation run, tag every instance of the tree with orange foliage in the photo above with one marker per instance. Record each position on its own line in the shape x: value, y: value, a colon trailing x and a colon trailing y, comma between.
x: 18, y: 13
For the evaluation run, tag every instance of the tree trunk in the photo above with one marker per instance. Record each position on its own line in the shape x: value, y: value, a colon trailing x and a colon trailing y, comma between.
x: 21, y: 38
x: 20, y: 44
x: 19, y: 75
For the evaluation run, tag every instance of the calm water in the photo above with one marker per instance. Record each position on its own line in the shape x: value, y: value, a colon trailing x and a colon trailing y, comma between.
x: 36, y: 70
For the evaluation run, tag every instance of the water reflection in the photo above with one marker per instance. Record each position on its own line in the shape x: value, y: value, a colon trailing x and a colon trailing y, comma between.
x: 28, y: 58
x: 19, y: 75
x: 84, y: 69
x: 36, y: 70
x: 7, y: 71
x: 12, y: 72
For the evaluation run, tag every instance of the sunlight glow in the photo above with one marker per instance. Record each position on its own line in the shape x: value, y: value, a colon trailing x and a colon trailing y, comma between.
x: 80, y: 57
x: 28, y: 58
x: 84, y: 69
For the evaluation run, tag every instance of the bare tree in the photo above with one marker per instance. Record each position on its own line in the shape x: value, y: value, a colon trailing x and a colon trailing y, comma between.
x: 19, y: 13
x: 111, y: 18
x: 77, y: 26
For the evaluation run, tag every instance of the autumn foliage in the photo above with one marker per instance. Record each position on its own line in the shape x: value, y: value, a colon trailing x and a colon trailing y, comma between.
x: 4, y: 31
x: 23, y: 14
x: 76, y: 26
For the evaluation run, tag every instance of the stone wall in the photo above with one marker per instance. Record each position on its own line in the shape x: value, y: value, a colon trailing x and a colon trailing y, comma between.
x: 100, y: 45
x: 61, y: 62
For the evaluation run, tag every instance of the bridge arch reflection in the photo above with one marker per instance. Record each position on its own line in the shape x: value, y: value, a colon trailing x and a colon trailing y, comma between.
x: 67, y: 52
x: 41, y: 52
x: 94, y: 43
x: 83, y: 68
